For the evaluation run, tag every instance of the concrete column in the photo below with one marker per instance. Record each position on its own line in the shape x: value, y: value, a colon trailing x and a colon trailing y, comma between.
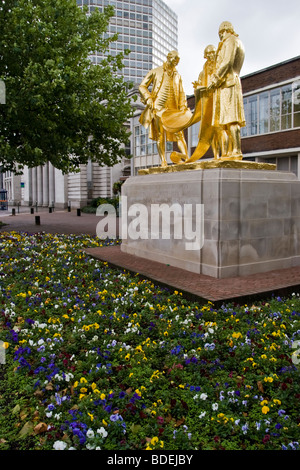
x: 61, y: 189
x: 45, y: 185
x: 40, y: 185
x: 51, y: 185
x: 34, y: 185
x: 27, y: 192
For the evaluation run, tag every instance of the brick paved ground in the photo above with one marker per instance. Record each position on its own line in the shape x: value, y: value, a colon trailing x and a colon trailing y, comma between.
x: 238, y: 289
x: 56, y: 222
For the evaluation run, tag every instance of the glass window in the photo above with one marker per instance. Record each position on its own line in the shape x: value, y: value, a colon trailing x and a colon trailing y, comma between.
x: 296, y: 103
x: 294, y: 165
x: 253, y: 114
x: 244, y: 130
x: 283, y: 164
x: 263, y: 113
x: 275, y: 110
x: 286, y: 107
x: 194, y: 134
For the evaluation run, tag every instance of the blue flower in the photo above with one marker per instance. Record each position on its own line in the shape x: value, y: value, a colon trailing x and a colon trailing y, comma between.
x: 116, y: 417
x: 245, y: 428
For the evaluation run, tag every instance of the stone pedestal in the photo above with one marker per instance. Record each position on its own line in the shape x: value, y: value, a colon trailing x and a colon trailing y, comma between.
x: 251, y: 219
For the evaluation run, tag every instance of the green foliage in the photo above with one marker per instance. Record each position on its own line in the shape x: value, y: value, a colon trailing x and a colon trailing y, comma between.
x: 92, y: 208
x: 117, y: 186
x: 59, y: 106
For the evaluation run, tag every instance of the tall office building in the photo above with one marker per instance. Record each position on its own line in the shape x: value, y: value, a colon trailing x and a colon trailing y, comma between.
x: 148, y: 28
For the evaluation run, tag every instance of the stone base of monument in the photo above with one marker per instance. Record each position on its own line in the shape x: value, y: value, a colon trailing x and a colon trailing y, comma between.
x: 219, y: 221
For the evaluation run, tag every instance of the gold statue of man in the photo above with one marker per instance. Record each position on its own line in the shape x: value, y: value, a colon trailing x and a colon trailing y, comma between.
x: 228, y: 108
x: 209, y: 135
x: 167, y: 94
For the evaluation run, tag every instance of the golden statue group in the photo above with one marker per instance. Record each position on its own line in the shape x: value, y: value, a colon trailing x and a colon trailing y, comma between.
x: 218, y: 102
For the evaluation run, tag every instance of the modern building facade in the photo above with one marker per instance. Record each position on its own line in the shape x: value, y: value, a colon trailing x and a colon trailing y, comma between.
x: 149, y: 29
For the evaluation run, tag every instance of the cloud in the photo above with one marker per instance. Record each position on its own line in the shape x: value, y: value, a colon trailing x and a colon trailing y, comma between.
x: 269, y: 30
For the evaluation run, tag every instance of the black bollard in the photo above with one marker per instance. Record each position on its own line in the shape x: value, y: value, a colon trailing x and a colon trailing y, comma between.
x: 50, y: 210
x: 37, y: 220
x: 13, y: 211
x: 32, y: 210
x: 78, y: 212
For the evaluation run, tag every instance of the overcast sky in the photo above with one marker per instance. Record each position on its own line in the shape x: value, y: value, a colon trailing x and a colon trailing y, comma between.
x: 269, y: 30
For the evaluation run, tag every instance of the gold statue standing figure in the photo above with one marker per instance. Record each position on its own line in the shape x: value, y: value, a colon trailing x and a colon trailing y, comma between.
x: 167, y: 94
x: 209, y: 135
x: 228, y: 107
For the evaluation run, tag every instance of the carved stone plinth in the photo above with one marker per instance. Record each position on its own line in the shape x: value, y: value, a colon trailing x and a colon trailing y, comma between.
x: 251, y: 219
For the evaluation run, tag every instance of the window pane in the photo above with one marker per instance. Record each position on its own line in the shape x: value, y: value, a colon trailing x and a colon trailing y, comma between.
x: 244, y: 130
x: 275, y: 110
x: 253, y: 114
x: 296, y: 101
x: 286, y: 107
x: 297, y: 120
x: 263, y: 113
x: 294, y: 165
x: 194, y: 134
x: 283, y: 164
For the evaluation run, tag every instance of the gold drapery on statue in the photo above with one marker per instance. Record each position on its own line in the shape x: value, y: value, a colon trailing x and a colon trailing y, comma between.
x: 176, y: 122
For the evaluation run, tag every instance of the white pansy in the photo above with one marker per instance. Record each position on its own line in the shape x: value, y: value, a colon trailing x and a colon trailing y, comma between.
x: 59, y: 445
x: 102, y: 432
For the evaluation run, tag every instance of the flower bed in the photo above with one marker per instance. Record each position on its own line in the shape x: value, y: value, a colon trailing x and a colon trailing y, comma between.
x: 97, y: 358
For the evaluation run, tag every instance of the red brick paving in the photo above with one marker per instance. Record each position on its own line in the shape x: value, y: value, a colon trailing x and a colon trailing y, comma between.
x: 56, y: 222
x: 198, y: 285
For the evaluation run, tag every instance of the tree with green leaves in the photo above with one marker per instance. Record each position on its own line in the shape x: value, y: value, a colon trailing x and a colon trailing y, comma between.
x: 60, y: 107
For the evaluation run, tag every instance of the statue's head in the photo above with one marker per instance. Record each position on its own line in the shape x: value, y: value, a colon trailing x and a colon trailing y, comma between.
x: 225, y: 27
x: 209, y: 52
x: 173, y: 58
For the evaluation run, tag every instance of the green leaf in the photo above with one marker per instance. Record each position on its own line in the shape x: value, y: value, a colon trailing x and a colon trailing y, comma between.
x: 135, y: 428
x: 27, y: 429
x: 16, y: 410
